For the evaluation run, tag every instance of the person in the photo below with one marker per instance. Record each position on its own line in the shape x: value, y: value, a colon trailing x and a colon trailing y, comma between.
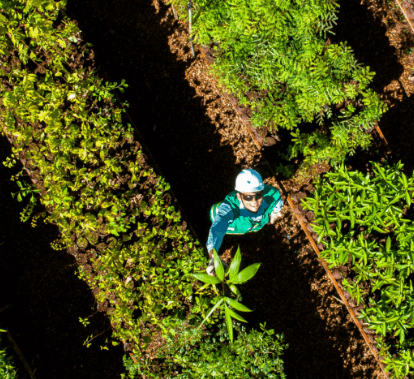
x: 247, y: 209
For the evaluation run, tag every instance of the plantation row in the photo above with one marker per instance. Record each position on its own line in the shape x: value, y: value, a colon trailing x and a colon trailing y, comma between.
x: 364, y: 222
x: 113, y: 211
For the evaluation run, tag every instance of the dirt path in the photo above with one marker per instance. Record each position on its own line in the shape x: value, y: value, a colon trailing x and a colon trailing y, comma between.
x: 47, y: 298
x: 201, y: 146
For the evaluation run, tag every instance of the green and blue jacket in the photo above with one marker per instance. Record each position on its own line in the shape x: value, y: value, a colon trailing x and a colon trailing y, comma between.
x: 231, y: 217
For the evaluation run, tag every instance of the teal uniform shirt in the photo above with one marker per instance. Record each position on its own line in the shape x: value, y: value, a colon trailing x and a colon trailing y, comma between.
x: 231, y: 217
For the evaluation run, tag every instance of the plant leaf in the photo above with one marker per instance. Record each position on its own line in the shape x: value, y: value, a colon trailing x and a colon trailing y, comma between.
x: 235, y: 315
x: 229, y: 324
x: 235, y: 264
x: 247, y: 273
x: 235, y: 290
x: 205, y: 278
x: 218, y: 266
x: 212, y: 310
x: 388, y: 244
x: 236, y: 305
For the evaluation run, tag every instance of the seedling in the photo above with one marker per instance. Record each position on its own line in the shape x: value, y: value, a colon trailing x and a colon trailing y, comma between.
x: 231, y: 278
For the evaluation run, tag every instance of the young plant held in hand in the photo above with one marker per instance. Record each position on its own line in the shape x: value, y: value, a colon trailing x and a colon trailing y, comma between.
x: 229, y: 279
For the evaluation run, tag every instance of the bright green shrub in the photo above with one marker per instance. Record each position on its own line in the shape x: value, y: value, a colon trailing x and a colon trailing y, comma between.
x: 273, y: 55
x: 7, y: 370
x: 369, y: 218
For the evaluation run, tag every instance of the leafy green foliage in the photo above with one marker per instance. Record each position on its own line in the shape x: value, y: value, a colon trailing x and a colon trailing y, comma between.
x: 193, y: 353
x: 7, y: 369
x: 26, y: 189
x: 222, y: 301
x: 274, y: 57
x: 363, y: 217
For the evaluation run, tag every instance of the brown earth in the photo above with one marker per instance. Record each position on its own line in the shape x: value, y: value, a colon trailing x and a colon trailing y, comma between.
x: 201, y: 145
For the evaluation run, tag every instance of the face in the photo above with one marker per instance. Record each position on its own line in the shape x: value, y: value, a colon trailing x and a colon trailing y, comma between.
x: 252, y: 205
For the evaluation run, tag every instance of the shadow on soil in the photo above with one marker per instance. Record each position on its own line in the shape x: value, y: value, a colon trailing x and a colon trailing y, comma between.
x: 47, y: 298
x: 130, y: 43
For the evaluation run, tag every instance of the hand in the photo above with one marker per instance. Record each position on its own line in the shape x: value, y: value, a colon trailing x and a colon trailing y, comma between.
x: 210, y: 268
x: 274, y: 217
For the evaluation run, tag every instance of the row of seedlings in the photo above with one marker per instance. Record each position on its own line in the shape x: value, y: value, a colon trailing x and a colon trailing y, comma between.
x: 113, y: 211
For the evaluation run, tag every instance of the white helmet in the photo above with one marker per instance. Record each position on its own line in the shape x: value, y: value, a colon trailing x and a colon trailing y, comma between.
x: 249, y: 180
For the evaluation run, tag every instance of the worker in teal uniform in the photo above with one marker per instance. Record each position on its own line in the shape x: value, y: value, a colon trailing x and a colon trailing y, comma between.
x: 247, y: 209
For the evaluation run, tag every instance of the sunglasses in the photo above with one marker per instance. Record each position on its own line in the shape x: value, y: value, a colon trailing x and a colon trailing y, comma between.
x: 258, y: 196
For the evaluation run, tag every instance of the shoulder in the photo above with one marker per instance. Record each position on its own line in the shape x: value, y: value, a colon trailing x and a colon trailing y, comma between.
x: 225, y: 209
x: 270, y: 190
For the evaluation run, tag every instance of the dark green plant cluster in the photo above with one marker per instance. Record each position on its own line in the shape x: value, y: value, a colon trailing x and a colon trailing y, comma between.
x: 274, y: 57
x: 368, y: 217
x: 95, y: 182
x: 7, y: 368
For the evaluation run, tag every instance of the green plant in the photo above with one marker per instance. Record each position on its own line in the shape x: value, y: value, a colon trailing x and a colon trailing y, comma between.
x: 365, y: 217
x: 235, y: 277
x: 7, y: 369
x: 274, y: 57
x: 194, y: 354
x: 26, y: 189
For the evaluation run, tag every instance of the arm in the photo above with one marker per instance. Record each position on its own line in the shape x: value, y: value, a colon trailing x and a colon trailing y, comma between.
x: 219, y: 227
x: 278, y: 207
x: 276, y: 212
